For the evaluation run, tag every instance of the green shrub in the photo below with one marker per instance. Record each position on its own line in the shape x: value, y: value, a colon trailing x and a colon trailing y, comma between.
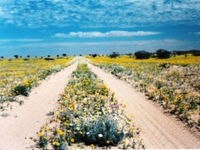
x: 103, y: 132
x: 117, y: 69
x: 21, y: 90
x: 43, y: 141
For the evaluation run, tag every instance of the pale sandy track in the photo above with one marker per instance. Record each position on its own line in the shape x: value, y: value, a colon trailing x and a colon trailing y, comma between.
x: 24, y: 121
x: 159, y: 130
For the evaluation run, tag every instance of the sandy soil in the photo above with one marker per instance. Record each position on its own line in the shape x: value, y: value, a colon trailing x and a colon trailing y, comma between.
x: 24, y: 121
x: 158, y: 129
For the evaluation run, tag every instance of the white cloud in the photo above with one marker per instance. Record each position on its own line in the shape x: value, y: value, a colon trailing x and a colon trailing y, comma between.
x: 105, y: 34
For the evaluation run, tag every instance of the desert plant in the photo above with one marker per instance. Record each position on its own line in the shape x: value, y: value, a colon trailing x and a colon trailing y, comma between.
x: 103, y: 132
x: 21, y: 90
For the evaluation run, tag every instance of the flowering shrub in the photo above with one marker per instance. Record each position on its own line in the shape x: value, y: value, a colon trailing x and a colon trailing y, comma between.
x: 89, y: 115
x: 175, y: 86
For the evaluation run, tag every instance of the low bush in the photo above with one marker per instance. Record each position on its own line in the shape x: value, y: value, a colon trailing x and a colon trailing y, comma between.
x: 103, y: 132
x: 21, y: 90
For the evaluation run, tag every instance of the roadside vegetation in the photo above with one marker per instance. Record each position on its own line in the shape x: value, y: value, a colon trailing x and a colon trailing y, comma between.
x: 19, y: 76
x: 173, y: 82
x: 88, y: 117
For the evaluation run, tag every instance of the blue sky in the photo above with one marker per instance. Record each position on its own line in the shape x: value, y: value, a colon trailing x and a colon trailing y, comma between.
x: 42, y: 27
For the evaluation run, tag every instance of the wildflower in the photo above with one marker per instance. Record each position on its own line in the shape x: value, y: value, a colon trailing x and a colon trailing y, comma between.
x: 108, y: 142
x: 41, y: 134
x: 100, y: 135
x: 60, y: 132
x: 92, y: 146
x: 72, y: 140
x: 46, y: 128
x: 69, y: 131
x: 56, y: 143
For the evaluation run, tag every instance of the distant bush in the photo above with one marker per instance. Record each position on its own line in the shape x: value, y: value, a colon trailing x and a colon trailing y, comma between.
x: 142, y: 55
x: 26, y: 59
x: 48, y: 58
x: 16, y: 56
x: 162, y: 54
x: 64, y: 55
x: 196, y: 53
x: 114, y: 55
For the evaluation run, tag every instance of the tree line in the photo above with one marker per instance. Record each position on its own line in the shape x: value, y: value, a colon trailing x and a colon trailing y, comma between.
x: 160, y: 53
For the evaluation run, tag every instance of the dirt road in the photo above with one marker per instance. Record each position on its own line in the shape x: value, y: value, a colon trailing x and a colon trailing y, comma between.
x: 24, y: 121
x: 159, y: 130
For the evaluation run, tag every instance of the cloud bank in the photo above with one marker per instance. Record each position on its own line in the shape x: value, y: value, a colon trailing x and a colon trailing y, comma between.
x: 105, y: 34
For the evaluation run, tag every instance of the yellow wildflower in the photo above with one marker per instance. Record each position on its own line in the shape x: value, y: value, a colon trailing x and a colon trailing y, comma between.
x: 92, y: 146
x: 56, y: 143
x: 60, y: 132
x: 41, y: 134
x: 72, y: 140
x: 69, y: 131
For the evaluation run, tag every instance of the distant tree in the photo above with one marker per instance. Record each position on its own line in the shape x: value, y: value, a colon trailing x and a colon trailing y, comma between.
x: 16, y: 56
x: 49, y: 56
x: 64, y: 55
x: 162, y: 53
x: 94, y: 55
x: 20, y: 56
x: 114, y: 55
x: 57, y: 56
x: 35, y: 56
x: 2, y: 57
x: 142, y: 55
x: 28, y: 56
